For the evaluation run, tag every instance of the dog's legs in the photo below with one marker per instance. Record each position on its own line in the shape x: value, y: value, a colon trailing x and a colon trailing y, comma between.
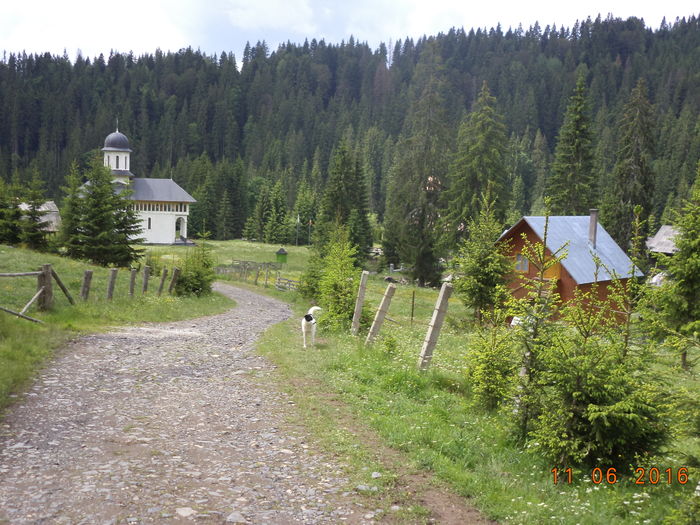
x: 303, y: 332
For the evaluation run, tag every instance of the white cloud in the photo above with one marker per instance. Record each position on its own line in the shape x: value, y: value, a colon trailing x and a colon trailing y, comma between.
x: 296, y: 16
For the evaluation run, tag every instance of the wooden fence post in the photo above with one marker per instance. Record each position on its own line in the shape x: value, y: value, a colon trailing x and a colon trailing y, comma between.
x: 146, y: 276
x: 257, y: 275
x: 359, y: 302
x: 431, y: 337
x: 132, y: 282
x: 62, y: 286
x: 46, y: 298
x: 85, y: 288
x: 112, y: 281
x: 381, y: 314
x: 173, y: 281
x: 267, y: 272
x: 163, y: 276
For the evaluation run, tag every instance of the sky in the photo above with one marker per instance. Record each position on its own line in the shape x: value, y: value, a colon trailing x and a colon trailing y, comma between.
x: 90, y: 27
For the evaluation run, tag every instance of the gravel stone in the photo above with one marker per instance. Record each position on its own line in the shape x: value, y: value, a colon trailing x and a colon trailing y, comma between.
x: 167, y: 423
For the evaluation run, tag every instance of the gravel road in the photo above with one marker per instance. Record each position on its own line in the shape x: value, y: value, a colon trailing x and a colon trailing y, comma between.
x: 167, y: 423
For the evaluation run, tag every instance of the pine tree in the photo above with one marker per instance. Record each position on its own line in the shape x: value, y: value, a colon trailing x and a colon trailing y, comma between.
x: 33, y: 233
x: 633, y: 178
x: 71, y: 214
x: 681, y: 305
x: 571, y: 186
x: 417, y: 176
x: 10, y: 213
x: 479, y: 166
x: 108, y: 224
x: 225, y: 218
x: 481, y: 265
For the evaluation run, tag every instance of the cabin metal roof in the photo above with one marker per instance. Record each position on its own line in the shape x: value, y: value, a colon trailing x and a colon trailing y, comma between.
x: 663, y: 241
x: 159, y: 190
x: 579, y: 261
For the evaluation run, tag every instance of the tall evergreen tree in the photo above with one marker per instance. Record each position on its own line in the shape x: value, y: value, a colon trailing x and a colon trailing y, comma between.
x: 681, y: 305
x: 417, y: 176
x: 71, y: 214
x: 572, y: 184
x: 479, y: 166
x: 633, y: 177
x: 33, y: 233
x: 108, y: 225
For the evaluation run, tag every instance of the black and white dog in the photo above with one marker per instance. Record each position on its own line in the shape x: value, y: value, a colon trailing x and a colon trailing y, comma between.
x: 308, y: 325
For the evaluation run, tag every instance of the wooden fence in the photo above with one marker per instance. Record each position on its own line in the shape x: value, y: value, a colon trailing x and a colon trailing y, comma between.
x: 46, y: 275
x: 258, y: 273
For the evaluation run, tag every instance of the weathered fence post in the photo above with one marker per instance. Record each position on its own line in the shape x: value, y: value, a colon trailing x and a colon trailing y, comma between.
x: 431, y: 337
x: 132, y: 282
x: 112, y: 281
x: 146, y: 276
x: 85, y: 288
x: 257, y: 275
x: 62, y: 286
x: 413, y: 305
x: 173, y: 281
x: 359, y: 302
x: 381, y: 314
x: 162, y: 281
x: 46, y: 298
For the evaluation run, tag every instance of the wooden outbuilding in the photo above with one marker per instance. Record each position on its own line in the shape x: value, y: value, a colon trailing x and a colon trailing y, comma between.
x: 585, y: 239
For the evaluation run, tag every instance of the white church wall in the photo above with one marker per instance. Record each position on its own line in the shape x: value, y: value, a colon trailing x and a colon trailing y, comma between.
x: 162, y: 226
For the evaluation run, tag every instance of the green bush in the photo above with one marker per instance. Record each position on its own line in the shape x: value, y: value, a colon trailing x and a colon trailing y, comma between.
x: 338, y: 281
x: 197, y: 273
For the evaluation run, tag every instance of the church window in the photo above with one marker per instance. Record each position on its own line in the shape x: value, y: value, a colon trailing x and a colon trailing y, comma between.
x: 149, y: 223
x: 117, y: 161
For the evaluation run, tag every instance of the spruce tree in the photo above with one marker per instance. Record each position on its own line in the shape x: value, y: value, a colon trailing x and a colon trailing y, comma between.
x: 681, y: 304
x: 10, y: 213
x: 479, y: 166
x: 108, y: 225
x: 417, y: 176
x: 571, y: 187
x: 633, y: 177
x: 33, y: 233
x: 71, y: 214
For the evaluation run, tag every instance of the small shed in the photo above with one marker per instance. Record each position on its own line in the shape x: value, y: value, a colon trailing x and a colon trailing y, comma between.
x: 50, y: 215
x: 662, y: 241
x: 586, y: 238
x: 281, y: 255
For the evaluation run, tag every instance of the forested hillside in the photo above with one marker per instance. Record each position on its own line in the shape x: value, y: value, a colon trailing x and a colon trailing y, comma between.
x: 265, y: 128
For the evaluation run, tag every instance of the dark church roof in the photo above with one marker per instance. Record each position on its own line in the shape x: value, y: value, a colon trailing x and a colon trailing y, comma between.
x: 158, y: 190
x: 116, y: 142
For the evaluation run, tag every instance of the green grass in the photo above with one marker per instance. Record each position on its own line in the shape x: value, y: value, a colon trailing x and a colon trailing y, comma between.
x: 225, y: 251
x: 24, y: 346
x: 431, y: 419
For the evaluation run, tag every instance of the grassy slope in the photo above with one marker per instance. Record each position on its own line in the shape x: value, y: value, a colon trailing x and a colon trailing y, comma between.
x: 430, y: 418
x: 25, y: 345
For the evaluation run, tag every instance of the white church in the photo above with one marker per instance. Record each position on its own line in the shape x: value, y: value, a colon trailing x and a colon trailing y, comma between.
x: 161, y: 204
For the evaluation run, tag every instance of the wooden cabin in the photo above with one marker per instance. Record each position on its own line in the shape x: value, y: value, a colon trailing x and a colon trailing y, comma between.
x: 584, y: 238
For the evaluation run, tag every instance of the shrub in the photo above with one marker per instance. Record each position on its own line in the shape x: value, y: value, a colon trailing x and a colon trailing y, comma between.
x: 337, y: 284
x: 197, y: 273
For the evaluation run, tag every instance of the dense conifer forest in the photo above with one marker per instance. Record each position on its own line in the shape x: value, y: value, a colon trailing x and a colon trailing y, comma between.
x: 427, y: 125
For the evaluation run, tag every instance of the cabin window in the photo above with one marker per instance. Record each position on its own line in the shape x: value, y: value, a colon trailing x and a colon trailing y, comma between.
x: 521, y: 263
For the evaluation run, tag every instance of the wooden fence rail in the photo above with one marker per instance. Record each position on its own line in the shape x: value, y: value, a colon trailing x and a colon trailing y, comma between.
x: 47, y: 275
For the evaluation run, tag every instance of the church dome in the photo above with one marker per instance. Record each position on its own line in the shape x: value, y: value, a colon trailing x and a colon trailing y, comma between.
x: 116, y: 142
